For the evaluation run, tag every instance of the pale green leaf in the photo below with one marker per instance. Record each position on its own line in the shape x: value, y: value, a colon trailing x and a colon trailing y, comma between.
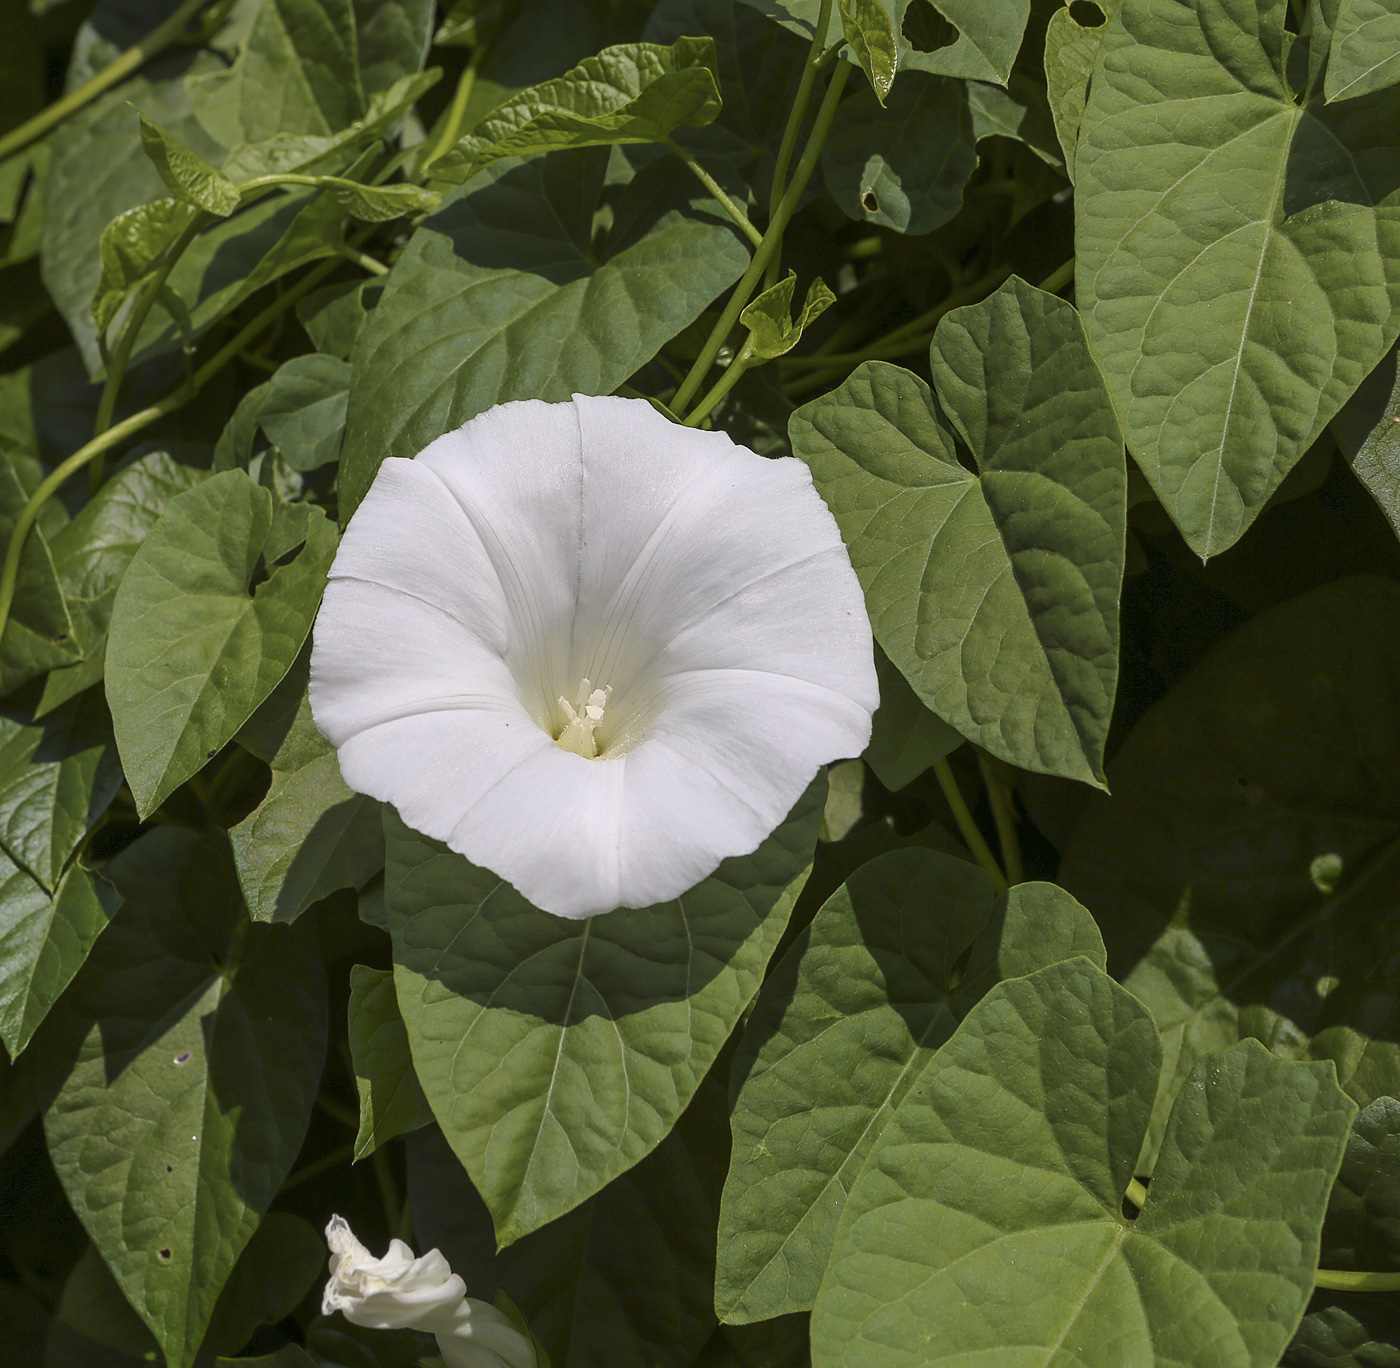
x: 905, y: 737
x: 869, y: 30
x: 904, y: 166
x: 186, y: 174
x: 634, y: 92
x: 988, y: 1223
x: 391, y: 1098
x: 1070, y: 50
x: 391, y: 41
x: 1365, y: 53
x: 844, y: 800
x: 204, y: 1043
x: 768, y: 316
x: 841, y: 1032
x: 1230, y: 326
x: 996, y: 593
x: 380, y: 203
x: 1277, y: 748
x: 192, y: 651
x: 298, y: 72
x: 507, y: 293
x: 608, y: 1023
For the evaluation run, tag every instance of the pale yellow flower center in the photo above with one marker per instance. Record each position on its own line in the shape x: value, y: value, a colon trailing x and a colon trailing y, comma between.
x: 583, y: 714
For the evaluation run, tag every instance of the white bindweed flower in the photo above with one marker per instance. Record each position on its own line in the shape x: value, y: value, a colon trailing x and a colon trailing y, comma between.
x: 591, y: 650
x: 399, y: 1292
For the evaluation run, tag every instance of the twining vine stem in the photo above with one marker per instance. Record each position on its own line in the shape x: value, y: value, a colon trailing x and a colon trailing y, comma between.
x: 971, y: 834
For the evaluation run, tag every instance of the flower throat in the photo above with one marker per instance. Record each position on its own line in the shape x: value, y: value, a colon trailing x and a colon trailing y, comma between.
x: 583, y: 714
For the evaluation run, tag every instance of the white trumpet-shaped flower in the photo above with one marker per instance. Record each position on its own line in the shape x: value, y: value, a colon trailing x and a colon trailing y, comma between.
x: 591, y: 650
x: 399, y: 1292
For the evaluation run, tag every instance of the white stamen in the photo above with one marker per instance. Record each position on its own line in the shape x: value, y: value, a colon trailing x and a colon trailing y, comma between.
x: 583, y: 714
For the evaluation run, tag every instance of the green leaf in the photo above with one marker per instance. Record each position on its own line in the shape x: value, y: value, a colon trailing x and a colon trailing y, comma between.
x: 768, y: 316
x: 996, y: 594
x: 904, y: 166
x: 45, y: 937
x: 380, y: 203
x: 57, y: 778
x: 631, y: 93
x: 1368, y: 431
x: 990, y: 1214
x: 91, y: 554
x: 131, y: 246
x: 1362, y: 1230
x: 186, y: 174
x: 1230, y: 329
x: 1365, y: 52
x: 190, y: 1097
x: 870, y: 32
x: 1070, y: 50
x: 302, y: 409
x: 39, y: 633
x: 192, y: 651
x: 311, y: 834
x: 1357, y: 1330
x: 298, y: 72
x: 1275, y: 750
x: 842, y: 1031
x: 609, y: 1023
x: 334, y: 316
x: 473, y: 316
x: 391, y: 40
x: 274, y: 1272
x: 976, y: 39
x: 905, y: 737
x: 391, y: 1098
x: 844, y: 800
x: 624, y: 1280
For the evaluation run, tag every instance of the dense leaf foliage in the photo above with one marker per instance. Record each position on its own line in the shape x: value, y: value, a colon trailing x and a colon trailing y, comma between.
x: 1059, y: 1027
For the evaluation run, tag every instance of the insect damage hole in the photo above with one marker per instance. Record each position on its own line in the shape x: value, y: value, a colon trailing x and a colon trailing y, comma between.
x: 165, y: 1254
x: 868, y: 202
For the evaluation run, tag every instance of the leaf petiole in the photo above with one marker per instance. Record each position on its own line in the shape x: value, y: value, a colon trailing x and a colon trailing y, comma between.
x: 971, y: 834
x: 710, y: 184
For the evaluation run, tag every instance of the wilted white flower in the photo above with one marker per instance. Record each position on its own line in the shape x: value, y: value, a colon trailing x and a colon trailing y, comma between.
x: 399, y: 1292
x: 591, y: 650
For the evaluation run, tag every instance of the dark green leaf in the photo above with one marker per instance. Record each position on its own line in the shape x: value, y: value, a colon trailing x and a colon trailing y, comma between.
x: 841, y: 1032
x: 392, y: 40
x: 634, y: 92
x: 1357, y: 1330
x: 192, y: 651
x: 609, y: 1023
x: 1230, y: 328
x: 274, y: 1272
x: 1362, y: 1230
x: 204, y: 1044
x: 995, y: 594
x: 334, y: 316
x: 186, y: 174
x: 905, y: 737
x: 298, y: 72
x: 391, y: 1098
x: 302, y: 409
x: 1368, y: 431
x: 1277, y: 749
x: 990, y: 1212
x: 905, y: 166
x: 505, y: 293
x: 626, y: 1279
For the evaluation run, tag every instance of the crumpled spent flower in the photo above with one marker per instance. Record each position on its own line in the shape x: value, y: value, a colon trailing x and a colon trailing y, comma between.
x: 399, y: 1292
x: 591, y: 650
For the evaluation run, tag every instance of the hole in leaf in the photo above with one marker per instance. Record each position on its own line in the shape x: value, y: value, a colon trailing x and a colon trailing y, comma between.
x: 59, y: 639
x: 183, y: 1057
x: 926, y: 29
x: 869, y: 203
x: 165, y: 1254
x: 1087, y: 14
x: 170, y: 1168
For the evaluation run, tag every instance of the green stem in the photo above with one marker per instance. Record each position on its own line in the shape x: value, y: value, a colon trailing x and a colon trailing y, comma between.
x: 1004, y: 815
x: 457, y: 112
x: 1137, y: 1193
x: 338, y: 1111
x: 388, y: 1188
x: 962, y: 814
x: 795, y: 116
x: 1061, y: 276
x: 17, y: 139
x: 362, y: 259
x: 128, y: 427
x: 314, y: 1170
x: 772, y: 240
x: 722, y: 386
x: 712, y: 185
x: 116, y: 369
x: 1336, y: 1280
